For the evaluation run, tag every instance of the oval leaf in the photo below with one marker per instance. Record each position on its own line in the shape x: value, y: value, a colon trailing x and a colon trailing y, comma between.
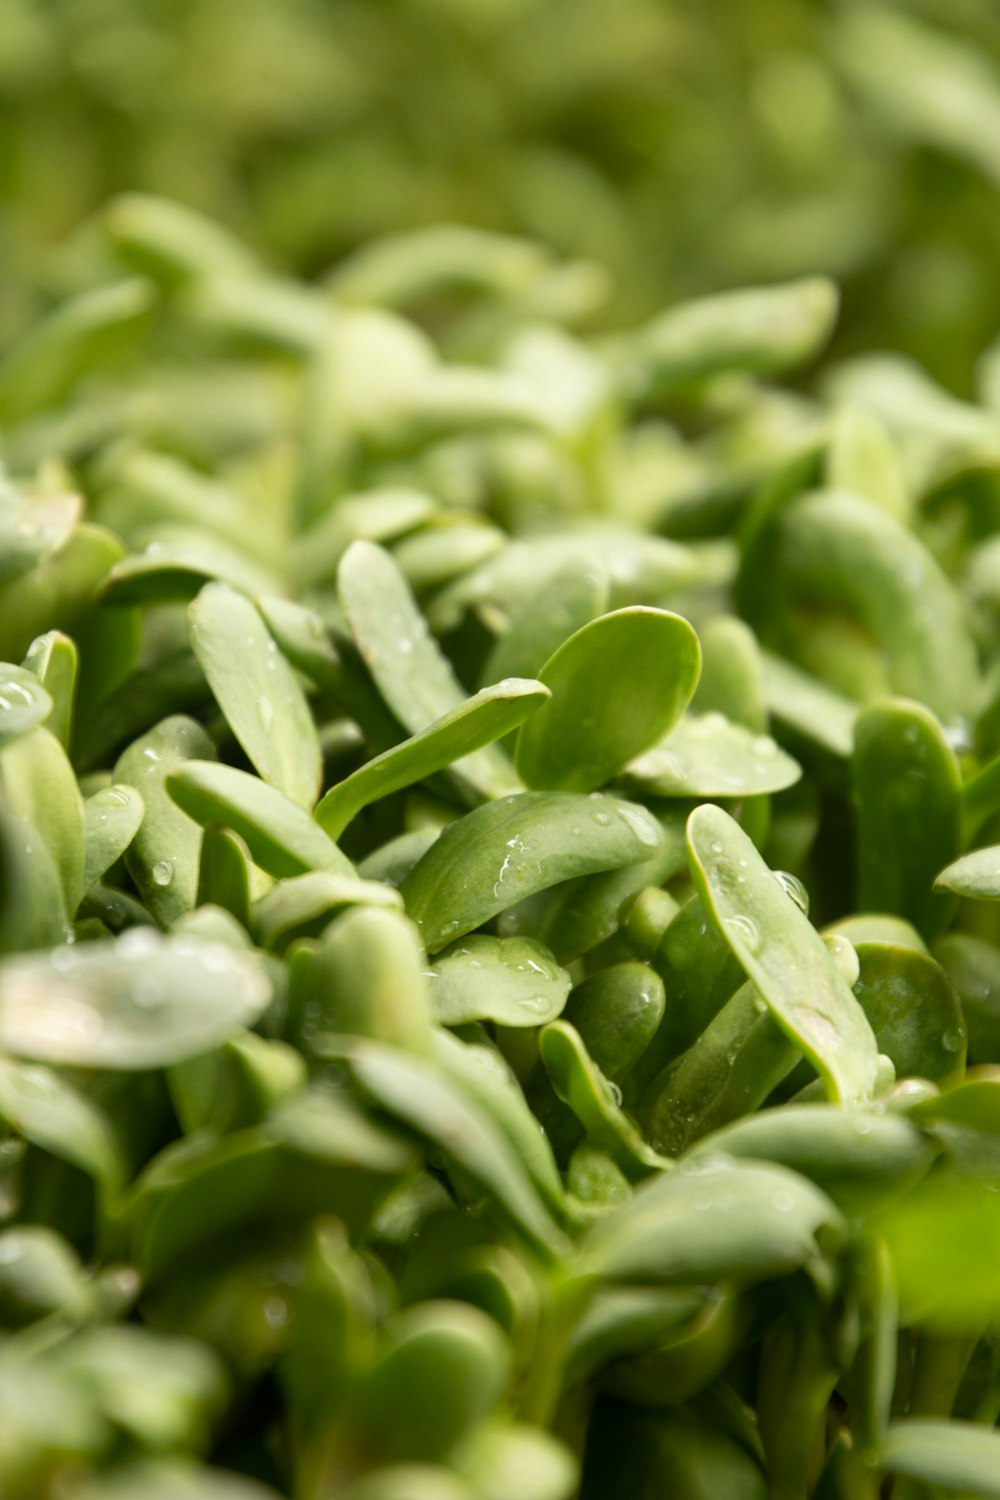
x: 512, y: 981
x: 618, y: 686
x: 507, y: 850
x: 143, y: 1002
x: 709, y: 756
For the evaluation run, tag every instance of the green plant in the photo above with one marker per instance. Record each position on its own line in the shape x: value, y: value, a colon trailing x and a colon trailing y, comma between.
x: 422, y: 1077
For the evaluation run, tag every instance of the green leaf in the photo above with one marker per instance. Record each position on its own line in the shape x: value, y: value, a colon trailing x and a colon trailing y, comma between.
x: 111, y: 819
x: 907, y: 790
x: 40, y: 1277
x: 914, y: 1011
x: 257, y: 691
x: 225, y: 873
x: 708, y: 756
x: 315, y: 1155
x: 367, y: 979
x: 512, y: 981
x: 303, y: 904
x: 808, y: 706
x: 958, y: 1455
x: 282, y: 838
x: 761, y: 330
x: 859, y: 1159
x: 55, y: 661
x: 416, y: 1093
x: 50, y: 1113
x: 72, y: 341
x: 39, y: 784
x: 410, y: 671
x: 976, y: 875
x: 142, y: 1002
x: 163, y: 856
x: 617, y: 1012
x: 32, y: 525
x: 482, y: 1075
x: 618, y: 686
x: 32, y: 904
x: 58, y: 593
x: 731, y: 681
x: 442, y: 1369
x: 509, y: 849
x: 679, y: 1228
x: 24, y: 703
x: 580, y: 1083
x: 479, y: 721
x: 783, y: 955
x: 175, y: 571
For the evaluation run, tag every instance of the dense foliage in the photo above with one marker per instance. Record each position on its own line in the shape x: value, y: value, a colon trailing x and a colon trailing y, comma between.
x: 688, y: 147
x: 422, y: 1077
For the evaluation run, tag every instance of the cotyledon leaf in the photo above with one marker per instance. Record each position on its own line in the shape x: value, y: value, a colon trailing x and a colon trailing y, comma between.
x: 783, y: 954
x: 908, y: 794
x: 55, y: 661
x: 759, y: 329
x: 111, y: 819
x: 163, y: 857
x: 808, y: 706
x: 914, y: 1011
x: 682, y: 1226
x: 976, y: 875
x: 282, y: 838
x: 958, y: 1455
x: 411, y: 672
x: 48, y: 1111
x: 478, y: 721
x: 580, y: 1084
x: 422, y: 1097
x: 23, y: 702
x: 481, y: 1072
x: 707, y: 755
x: 142, y: 1002
x: 506, y: 850
x: 512, y: 981
x: 39, y: 784
x: 257, y: 691
x: 618, y: 686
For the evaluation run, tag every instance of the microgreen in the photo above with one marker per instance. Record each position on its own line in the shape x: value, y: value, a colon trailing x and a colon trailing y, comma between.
x: 499, y: 955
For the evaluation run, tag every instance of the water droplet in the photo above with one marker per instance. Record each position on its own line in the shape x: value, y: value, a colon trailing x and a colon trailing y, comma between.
x: 265, y: 712
x: 744, y: 931
x: 765, y: 747
x: 614, y: 1093
x: 162, y: 872
x: 794, y: 888
x: 602, y: 819
x: 535, y: 1005
x: 783, y: 1202
x: 646, y: 830
x: 953, y: 1040
x: 715, y: 846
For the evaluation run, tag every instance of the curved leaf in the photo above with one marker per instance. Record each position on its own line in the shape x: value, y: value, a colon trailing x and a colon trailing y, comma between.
x: 507, y: 850
x: 618, y: 686
x: 257, y: 691
x: 142, y: 1002
x: 512, y: 981
x: 783, y: 955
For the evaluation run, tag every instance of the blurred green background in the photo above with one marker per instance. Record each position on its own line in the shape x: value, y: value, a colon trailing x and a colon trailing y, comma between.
x: 688, y: 145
